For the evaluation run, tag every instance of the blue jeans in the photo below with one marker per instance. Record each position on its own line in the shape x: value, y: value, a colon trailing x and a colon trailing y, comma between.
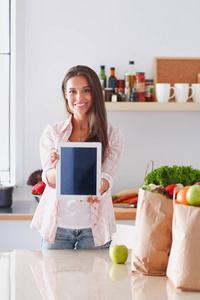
x: 73, y: 239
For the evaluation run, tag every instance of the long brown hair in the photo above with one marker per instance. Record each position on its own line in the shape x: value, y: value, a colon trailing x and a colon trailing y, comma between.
x: 97, y: 115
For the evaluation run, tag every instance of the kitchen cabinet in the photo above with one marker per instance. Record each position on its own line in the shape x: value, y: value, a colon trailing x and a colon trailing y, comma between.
x: 152, y: 106
x: 17, y: 234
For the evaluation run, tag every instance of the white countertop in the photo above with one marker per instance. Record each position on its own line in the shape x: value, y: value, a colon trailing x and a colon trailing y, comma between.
x: 78, y: 274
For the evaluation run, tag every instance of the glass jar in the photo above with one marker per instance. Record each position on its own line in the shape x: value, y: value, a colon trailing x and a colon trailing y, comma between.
x: 140, y: 86
x: 108, y: 94
x: 149, y: 90
x: 121, y: 87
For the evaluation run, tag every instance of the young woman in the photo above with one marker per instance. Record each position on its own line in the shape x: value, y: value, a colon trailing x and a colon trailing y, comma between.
x: 78, y: 224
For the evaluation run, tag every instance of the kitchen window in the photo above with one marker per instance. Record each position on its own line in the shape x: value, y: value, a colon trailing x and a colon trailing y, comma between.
x: 6, y: 84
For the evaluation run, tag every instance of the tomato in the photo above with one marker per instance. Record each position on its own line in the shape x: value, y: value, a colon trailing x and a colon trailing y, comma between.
x: 181, y: 195
x: 170, y: 189
x: 193, y: 195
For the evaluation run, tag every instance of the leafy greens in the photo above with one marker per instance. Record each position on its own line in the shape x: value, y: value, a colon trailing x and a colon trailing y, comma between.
x: 171, y: 175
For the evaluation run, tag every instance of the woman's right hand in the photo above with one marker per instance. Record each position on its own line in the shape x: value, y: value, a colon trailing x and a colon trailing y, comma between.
x: 54, y: 158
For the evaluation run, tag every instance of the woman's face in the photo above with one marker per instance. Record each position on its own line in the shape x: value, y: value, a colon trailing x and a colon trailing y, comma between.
x: 78, y: 94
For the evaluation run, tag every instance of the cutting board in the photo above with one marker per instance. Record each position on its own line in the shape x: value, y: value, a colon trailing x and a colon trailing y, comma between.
x: 125, y: 213
x: 177, y: 70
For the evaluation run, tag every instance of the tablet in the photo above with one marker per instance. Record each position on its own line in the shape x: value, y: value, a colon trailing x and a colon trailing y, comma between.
x: 78, y: 171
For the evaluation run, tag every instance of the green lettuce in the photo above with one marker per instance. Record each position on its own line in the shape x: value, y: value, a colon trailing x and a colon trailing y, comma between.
x: 171, y: 175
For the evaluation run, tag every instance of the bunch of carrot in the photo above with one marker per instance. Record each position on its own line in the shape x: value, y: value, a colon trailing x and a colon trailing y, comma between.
x: 128, y: 199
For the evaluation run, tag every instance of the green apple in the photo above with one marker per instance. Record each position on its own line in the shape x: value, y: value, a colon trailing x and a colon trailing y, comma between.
x: 118, y: 253
x: 193, y: 195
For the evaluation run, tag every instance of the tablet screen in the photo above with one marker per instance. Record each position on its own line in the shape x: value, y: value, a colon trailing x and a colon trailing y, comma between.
x: 78, y: 170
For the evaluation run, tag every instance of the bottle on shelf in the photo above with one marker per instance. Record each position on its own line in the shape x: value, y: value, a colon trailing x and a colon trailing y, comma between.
x: 127, y: 92
x: 102, y: 77
x: 112, y: 80
x: 130, y: 74
x: 134, y: 96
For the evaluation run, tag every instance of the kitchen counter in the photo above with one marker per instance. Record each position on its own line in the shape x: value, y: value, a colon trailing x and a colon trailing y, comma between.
x: 78, y: 274
x: 24, y: 210
x: 20, y: 210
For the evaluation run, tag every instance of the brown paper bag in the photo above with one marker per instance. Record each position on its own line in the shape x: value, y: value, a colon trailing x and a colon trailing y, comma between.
x: 153, y: 234
x: 184, y: 262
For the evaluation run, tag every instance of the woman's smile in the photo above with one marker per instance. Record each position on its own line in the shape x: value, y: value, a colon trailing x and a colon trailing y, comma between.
x: 81, y: 104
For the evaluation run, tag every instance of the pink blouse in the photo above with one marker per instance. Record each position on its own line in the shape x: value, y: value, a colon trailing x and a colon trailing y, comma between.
x: 102, y: 214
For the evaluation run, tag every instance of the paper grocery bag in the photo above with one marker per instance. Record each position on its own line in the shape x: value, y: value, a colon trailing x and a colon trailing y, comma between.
x: 153, y: 234
x: 184, y: 262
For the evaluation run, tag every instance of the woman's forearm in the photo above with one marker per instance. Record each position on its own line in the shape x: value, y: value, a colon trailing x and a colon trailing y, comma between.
x: 51, y: 176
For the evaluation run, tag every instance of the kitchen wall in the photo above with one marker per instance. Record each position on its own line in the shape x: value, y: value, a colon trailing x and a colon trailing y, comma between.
x: 52, y: 36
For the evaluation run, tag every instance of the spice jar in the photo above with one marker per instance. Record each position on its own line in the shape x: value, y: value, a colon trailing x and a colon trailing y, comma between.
x: 149, y: 90
x: 108, y: 94
x: 121, y: 87
x: 140, y: 86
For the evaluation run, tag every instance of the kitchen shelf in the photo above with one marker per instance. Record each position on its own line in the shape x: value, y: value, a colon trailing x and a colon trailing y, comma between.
x: 152, y: 106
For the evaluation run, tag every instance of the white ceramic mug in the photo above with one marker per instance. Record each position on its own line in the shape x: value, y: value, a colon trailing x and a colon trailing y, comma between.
x: 182, y: 91
x: 196, y: 96
x: 163, y: 92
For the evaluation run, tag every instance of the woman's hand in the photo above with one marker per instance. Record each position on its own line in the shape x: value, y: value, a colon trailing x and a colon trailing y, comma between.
x: 54, y: 158
x: 51, y: 173
x: 103, y: 189
x: 91, y: 200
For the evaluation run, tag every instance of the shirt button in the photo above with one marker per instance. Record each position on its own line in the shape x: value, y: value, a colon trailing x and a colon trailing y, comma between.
x: 95, y: 208
x: 95, y: 224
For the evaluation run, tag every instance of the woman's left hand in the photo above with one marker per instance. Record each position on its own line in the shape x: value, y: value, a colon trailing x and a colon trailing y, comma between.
x: 103, y: 189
